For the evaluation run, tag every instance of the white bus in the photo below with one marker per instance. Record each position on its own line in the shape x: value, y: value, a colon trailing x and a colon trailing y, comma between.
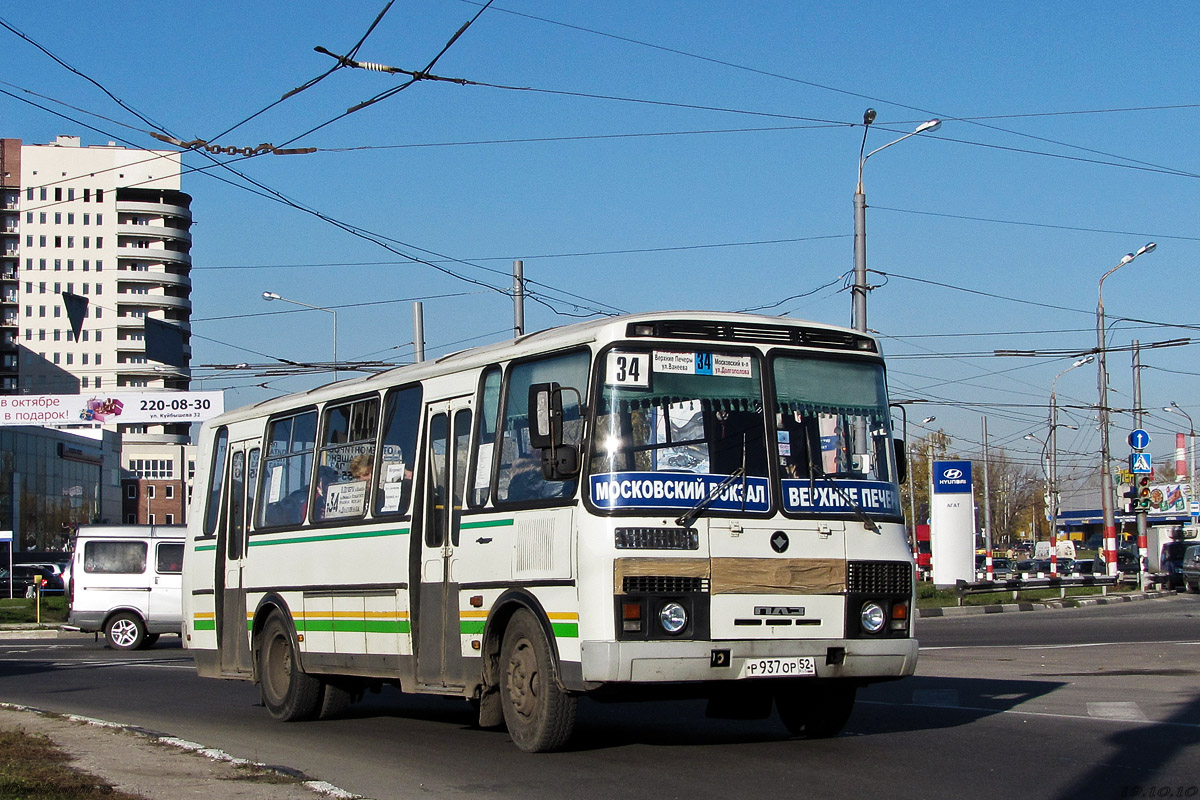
x: 659, y: 505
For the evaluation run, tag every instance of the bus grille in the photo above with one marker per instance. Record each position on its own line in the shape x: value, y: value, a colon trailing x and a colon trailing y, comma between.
x: 663, y: 584
x: 657, y: 539
x: 878, y: 577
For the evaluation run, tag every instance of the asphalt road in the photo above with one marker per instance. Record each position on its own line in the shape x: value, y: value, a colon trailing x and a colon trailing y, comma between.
x: 1100, y: 702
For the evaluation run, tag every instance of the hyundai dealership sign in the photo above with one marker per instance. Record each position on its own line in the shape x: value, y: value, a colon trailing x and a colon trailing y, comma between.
x: 952, y: 523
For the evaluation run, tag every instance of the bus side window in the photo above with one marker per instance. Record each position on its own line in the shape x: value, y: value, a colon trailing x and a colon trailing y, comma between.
x: 216, y: 481
x: 520, y: 476
x: 287, y: 470
x: 398, y: 447
x: 485, y: 437
x: 346, y: 460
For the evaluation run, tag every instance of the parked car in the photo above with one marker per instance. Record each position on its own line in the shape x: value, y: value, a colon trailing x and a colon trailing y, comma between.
x: 1189, y: 568
x: 28, y: 579
x: 1002, y: 568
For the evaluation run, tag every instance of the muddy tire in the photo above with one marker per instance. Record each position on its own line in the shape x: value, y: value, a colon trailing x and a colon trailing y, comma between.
x: 538, y: 712
x: 334, y: 700
x: 288, y: 693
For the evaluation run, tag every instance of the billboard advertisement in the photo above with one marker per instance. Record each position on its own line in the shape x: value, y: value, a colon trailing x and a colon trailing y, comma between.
x: 51, y: 410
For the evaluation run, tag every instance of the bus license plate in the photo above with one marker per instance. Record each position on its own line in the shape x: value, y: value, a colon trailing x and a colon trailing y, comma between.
x: 777, y: 667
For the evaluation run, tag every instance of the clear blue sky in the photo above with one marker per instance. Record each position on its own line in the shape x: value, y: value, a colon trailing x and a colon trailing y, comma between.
x: 1068, y: 141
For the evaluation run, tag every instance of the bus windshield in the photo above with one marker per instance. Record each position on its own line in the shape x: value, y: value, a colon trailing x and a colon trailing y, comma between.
x: 671, y: 426
x: 834, y: 442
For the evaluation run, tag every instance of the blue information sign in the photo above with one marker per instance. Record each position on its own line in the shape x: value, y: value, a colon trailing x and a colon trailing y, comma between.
x: 1139, y: 464
x: 1139, y: 439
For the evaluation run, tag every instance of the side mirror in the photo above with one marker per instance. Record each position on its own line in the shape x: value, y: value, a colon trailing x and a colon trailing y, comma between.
x: 559, y: 461
x: 901, y: 461
x: 545, y: 416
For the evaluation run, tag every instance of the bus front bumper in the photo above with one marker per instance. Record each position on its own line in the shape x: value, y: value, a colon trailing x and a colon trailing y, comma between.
x: 680, y: 661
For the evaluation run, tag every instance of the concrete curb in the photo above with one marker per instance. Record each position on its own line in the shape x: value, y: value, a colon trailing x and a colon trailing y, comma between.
x: 967, y: 611
x: 321, y: 788
x: 33, y: 631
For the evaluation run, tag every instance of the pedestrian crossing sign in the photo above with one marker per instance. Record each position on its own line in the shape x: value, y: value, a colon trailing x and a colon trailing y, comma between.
x: 1139, y: 464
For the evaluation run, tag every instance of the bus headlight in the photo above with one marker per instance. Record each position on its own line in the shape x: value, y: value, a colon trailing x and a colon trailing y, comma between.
x: 872, y: 617
x: 673, y: 617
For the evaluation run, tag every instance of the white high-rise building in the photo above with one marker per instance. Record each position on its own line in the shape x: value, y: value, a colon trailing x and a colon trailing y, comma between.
x: 109, y: 224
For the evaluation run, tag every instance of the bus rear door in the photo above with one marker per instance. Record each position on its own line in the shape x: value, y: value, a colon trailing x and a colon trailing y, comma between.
x: 439, y: 649
x: 232, y: 630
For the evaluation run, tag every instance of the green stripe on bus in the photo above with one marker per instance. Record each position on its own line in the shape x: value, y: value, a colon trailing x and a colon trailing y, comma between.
x: 491, y: 523
x: 202, y: 547
x: 565, y: 630
x: 204, y: 625
x: 474, y: 627
x: 330, y: 537
x: 352, y: 626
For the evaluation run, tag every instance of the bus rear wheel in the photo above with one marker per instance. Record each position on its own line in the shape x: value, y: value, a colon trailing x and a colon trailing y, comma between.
x: 815, y: 709
x: 538, y: 712
x: 288, y: 693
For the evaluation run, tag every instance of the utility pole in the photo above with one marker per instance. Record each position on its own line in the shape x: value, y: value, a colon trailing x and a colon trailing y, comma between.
x: 1141, y: 513
x: 418, y: 332
x: 519, y: 298
x: 987, y: 508
x: 1052, y: 494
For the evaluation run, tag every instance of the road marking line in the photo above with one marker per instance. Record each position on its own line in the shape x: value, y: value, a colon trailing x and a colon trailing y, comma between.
x: 1192, y: 725
x: 932, y: 648
x: 1118, y: 710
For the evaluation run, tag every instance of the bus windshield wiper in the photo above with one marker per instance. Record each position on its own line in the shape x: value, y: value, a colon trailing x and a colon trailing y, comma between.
x: 693, y: 512
x: 863, y: 517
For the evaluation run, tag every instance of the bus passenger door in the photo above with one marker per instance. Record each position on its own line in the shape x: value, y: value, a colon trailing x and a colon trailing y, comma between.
x: 232, y: 630
x: 439, y: 649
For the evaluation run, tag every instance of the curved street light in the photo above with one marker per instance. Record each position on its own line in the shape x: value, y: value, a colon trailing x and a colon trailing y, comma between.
x: 1175, y: 409
x: 274, y: 296
x: 859, y: 290
x: 1106, y: 488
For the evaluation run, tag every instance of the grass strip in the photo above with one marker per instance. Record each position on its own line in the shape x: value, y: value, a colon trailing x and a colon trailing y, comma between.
x: 33, y: 768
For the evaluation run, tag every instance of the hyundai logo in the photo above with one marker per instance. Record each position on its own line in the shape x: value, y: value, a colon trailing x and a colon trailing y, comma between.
x: 952, y: 474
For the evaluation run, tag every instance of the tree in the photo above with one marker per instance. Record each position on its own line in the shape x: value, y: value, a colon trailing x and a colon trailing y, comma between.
x: 1016, y: 498
x: 914, y: 494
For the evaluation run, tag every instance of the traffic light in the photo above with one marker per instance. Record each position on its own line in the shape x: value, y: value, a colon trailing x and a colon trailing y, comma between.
x: 1129, y: 497
x: 1142, y: 503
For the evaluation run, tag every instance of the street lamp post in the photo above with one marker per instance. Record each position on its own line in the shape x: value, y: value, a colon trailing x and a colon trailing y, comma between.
x: 1174, y: 408
x: 1106, y: 489
x: 1052, y: 471
x: 274, y: 296
x: 859, y: 290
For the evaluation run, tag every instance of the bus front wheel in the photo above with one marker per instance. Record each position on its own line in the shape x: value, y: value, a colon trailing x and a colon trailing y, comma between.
x: 288, y: 693
x: 815, y: 709
x: 538, y: 712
